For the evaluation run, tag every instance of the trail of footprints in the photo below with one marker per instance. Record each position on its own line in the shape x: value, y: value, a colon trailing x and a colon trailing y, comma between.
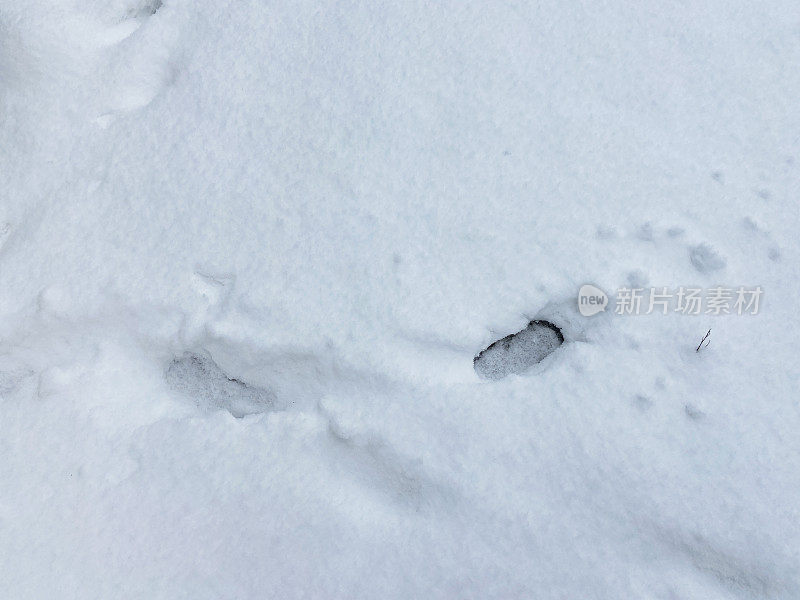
x: 198, y: 376
x: 366, y: 457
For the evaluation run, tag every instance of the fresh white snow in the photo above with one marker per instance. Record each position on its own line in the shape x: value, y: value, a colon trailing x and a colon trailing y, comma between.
x: 249, y: 250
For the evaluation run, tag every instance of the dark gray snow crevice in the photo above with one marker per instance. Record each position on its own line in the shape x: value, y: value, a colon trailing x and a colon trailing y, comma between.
x: 518, y: 352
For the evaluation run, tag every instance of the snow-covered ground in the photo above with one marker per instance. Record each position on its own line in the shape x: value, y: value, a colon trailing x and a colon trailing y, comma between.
x: 249, y: 250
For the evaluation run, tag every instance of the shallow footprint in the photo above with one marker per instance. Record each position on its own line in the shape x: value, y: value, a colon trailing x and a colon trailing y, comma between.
x: 198, y: 376
x: 144, y: 8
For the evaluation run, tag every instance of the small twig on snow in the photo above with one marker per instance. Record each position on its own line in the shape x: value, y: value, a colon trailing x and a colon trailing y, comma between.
x: 700, y: 345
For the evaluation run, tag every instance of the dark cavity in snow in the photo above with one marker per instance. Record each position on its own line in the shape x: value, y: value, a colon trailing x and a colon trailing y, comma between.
x: 198, y: 376
x: 518, y: 352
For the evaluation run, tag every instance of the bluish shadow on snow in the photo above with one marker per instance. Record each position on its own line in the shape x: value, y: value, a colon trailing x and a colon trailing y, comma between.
x: 705, y: 259
x: 518, y: 352
x: 373, y: 463
x: 144, y: 8
x: 198, y: 376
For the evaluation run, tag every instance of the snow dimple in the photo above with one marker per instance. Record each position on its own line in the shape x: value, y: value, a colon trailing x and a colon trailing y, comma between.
x: 705, y: 259
x: 518, y: 352
x: 198, y: 376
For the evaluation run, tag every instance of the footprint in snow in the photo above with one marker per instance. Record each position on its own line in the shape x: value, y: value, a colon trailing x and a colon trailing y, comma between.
x: 518, y: 352
x: 144, y: 9
x: 197, y: 375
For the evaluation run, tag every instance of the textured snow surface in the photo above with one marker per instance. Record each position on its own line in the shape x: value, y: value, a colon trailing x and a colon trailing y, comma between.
x: 517, y: 353
x: 248, y: 251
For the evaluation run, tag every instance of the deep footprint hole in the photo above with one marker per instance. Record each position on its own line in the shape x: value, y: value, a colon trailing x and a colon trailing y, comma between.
x: 518, y: 352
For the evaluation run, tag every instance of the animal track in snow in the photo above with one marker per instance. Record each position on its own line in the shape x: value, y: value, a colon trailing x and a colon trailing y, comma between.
x: 705, y: 259
x: 760, y: 235
x: 197, y: 375
x: 518, y: 352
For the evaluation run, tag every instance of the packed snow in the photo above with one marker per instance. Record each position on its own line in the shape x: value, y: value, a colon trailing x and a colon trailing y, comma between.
x: 250, y: 251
